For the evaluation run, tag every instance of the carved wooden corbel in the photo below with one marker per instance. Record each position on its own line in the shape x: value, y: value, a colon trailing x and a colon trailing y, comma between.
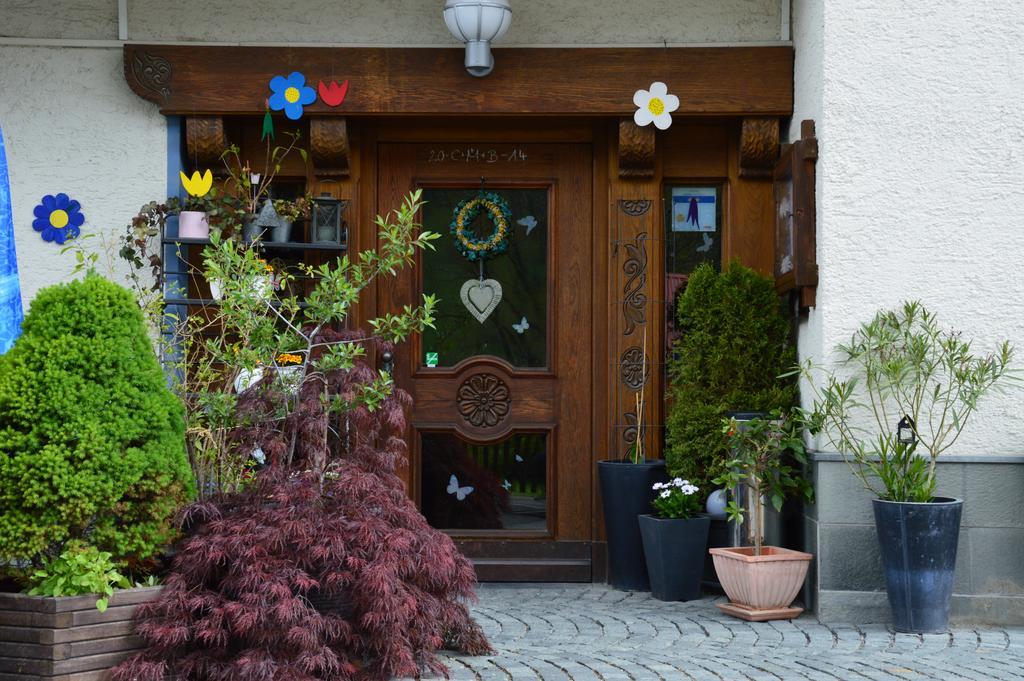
x: 328, y: 141
x: 205, y: 141
x: 636, y: 149
x: 759, y: 147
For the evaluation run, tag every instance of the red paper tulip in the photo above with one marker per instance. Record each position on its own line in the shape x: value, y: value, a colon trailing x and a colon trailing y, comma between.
x: 333, y: 94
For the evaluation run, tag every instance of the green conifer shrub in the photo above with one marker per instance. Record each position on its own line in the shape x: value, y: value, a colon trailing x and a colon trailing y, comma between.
x: 735, y: 343
x: 91, y: 440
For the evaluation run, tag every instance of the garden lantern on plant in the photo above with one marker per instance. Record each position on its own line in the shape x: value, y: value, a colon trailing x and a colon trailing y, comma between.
x: 905, y: 431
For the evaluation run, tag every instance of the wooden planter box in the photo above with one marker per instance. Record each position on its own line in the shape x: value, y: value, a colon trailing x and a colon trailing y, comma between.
x: 67, y: 639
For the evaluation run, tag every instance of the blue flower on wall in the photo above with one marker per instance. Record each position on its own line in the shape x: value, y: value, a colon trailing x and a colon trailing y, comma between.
x: 290, y: 95
x: 58, y: 218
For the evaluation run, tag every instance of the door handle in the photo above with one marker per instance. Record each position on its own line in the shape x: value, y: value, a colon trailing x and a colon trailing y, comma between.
x: 387, y: 362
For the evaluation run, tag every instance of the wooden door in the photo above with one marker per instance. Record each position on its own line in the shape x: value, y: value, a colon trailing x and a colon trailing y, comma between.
x: 501, y: 421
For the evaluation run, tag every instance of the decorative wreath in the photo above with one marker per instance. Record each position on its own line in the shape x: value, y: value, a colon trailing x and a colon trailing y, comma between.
x: 469, y: 245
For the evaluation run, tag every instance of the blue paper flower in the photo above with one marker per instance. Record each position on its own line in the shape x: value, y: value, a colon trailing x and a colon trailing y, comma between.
x: 58, y: 218
x: 290, y: 95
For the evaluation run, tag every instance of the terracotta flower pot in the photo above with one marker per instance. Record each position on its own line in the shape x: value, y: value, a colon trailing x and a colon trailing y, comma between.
x: 761, y: 587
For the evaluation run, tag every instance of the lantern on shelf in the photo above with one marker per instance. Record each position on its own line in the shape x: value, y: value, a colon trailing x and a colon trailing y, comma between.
x: 327, y: 224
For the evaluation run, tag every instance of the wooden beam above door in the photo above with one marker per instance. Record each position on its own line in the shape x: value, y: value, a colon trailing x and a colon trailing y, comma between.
x: 709, y: 81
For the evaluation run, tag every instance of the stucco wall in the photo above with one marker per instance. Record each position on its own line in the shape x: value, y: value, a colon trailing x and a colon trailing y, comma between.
x: 919, y: 192
x: 67, y: 19
x: 72, y: 125
x: 397, y: 22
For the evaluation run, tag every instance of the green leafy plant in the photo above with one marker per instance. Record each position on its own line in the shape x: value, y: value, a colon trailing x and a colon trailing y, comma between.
x: 676, y: 499
x: 735, y: 344
x: 92, y: 439
x: 79, y: 569
x: 766, y: 453
x: 901, y: 364
x: 297, y: 209
x: 259, y: 334
x: 251, y: 185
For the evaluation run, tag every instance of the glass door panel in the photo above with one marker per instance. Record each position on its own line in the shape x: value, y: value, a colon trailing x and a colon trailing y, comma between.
x: 516, y: 329
x: 498, y: 486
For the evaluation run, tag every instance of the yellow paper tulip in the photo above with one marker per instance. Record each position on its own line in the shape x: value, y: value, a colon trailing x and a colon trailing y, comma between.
x: 197, y: 186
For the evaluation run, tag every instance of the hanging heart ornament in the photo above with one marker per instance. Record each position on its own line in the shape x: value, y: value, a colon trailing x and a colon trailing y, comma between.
x: 481, y: 296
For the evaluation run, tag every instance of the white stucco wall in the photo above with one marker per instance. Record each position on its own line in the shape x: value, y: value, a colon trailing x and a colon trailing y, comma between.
x: 65, y: 19
x: 920, y: 192
x: 72, y: 125
x: 396, y: 22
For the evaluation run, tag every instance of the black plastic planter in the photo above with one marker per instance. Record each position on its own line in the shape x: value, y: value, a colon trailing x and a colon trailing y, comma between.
x: 625, y: 494
x: 675, y: 550
x: 918, y: 545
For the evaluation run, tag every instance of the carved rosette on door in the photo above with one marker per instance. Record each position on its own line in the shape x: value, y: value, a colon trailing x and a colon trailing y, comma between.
x: 484, y: 400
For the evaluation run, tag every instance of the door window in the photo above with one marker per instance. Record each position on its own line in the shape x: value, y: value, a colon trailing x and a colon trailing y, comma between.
x: 496, y: 486
x: 493, y: 306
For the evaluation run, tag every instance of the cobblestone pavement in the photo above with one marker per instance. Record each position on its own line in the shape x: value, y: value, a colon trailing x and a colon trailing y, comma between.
x: 585, y: 633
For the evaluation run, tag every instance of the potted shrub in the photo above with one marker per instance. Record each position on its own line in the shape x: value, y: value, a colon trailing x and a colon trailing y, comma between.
x: 94, y: 471
x: 627, y: 490
x: 289, y: 212
x: 734, y: 343
x: 911, y: 389
x: 762, y: 581
x: 675, y: 537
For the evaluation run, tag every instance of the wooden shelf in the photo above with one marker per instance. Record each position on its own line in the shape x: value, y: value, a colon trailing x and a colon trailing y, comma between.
x: 266, y: 245
x: 168, y: 302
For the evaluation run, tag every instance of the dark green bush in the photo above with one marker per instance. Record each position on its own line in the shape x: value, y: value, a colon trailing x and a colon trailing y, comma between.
x: 735, y: 343
x: 91, y: 440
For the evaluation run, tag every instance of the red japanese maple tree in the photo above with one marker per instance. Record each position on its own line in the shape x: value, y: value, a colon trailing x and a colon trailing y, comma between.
x: 322, y: 568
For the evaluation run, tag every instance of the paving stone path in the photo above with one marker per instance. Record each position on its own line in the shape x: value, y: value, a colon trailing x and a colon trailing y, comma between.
x: 593, y: 633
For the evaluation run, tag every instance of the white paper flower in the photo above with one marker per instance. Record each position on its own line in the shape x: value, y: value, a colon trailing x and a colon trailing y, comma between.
x: 655, y: 106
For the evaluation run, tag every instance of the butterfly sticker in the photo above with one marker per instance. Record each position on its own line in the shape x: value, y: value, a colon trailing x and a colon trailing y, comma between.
x: 507, y: 485
x: 706, y: 246
x: 529, y: 222
x: 460, y: 493
x: 521, y: 327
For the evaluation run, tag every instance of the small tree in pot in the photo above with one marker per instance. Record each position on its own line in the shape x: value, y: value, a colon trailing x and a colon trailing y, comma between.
x: 911, y: 389
x: 762, y: 581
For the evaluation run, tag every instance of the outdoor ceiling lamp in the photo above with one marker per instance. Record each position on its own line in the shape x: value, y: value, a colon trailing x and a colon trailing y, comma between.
x: 477, y: 23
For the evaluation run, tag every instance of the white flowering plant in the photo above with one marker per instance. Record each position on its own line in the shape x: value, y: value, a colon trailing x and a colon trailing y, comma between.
x: 676, y: 499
